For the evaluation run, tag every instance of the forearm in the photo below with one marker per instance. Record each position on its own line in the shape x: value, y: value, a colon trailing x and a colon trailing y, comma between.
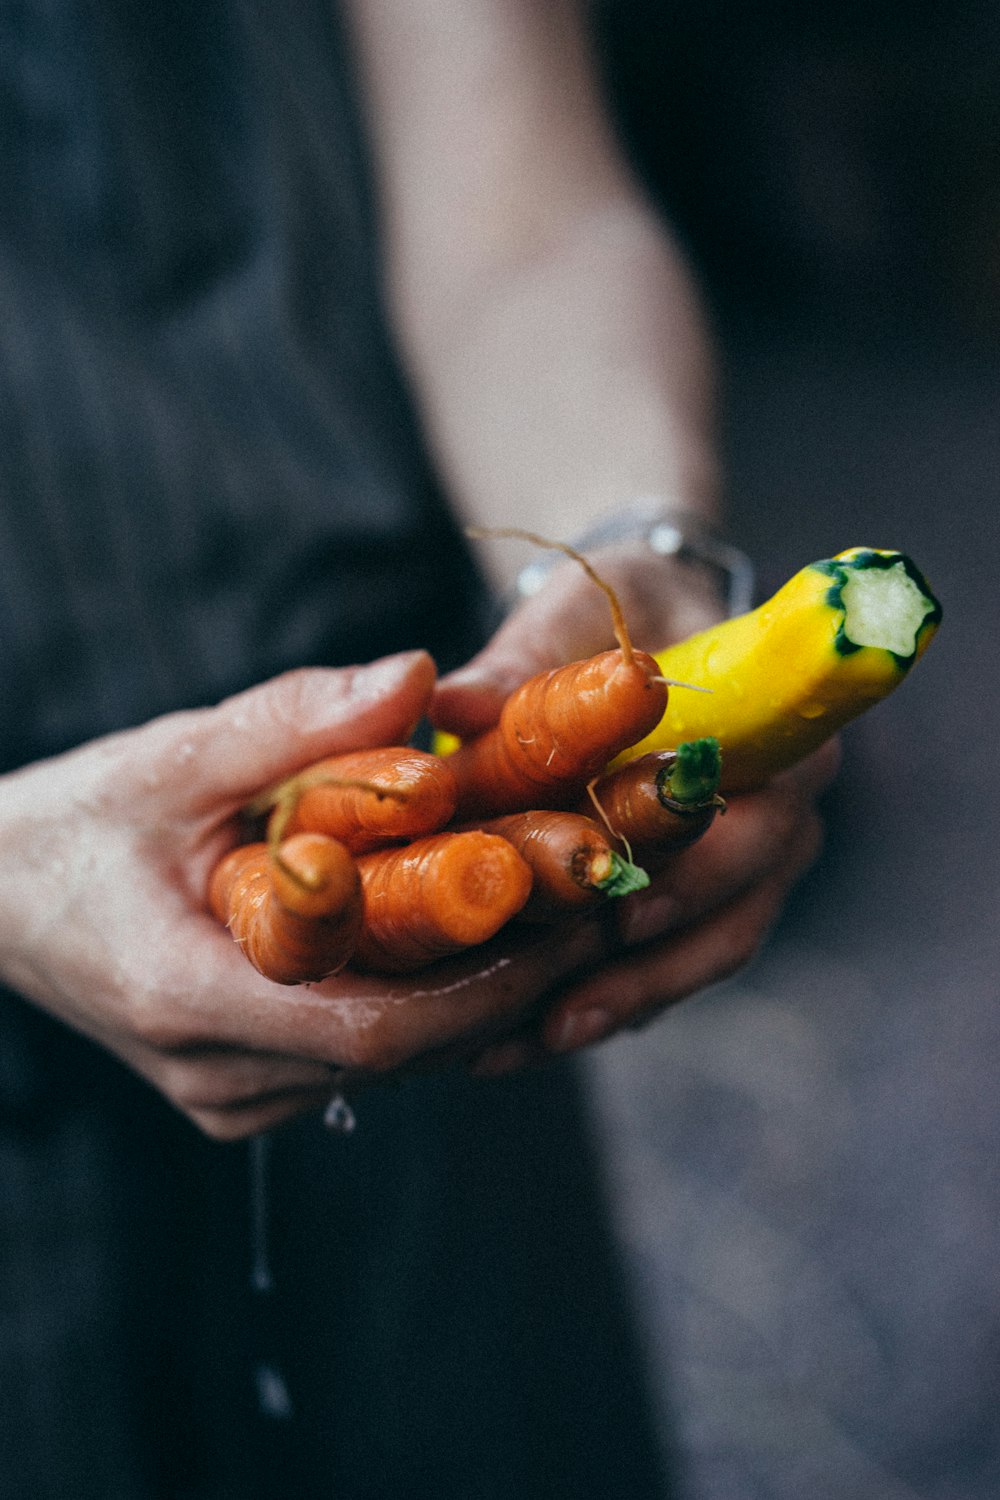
x: 552, y: 332
x: 575, y: 386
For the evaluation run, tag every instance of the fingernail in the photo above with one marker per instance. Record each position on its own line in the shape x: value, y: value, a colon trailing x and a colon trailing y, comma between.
x: 579, y: 1028
x: 647, y: 918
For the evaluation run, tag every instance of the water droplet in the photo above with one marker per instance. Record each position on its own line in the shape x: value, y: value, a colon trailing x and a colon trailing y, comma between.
x: 272, y: 1393
x: 340, y: 1116
x: 261, y: 1279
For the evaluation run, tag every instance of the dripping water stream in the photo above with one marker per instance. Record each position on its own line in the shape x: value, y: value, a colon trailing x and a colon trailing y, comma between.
x: 273, y: 1398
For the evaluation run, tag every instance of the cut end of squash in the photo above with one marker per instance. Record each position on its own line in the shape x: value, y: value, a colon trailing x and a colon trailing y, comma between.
x: 886, y: 606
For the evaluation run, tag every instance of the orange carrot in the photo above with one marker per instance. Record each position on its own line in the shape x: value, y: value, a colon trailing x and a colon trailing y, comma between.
x: 572, y: 862
x: 366, y: 798
x: 663, y: 800
x: 295, y: 909
x: 436, y: 896
x: 556, y: 732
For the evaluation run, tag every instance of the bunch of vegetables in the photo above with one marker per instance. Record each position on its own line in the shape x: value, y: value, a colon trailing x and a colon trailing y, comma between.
x: 391, y: 858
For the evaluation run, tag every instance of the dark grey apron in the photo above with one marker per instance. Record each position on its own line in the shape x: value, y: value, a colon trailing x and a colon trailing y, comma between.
x: 209, y: 472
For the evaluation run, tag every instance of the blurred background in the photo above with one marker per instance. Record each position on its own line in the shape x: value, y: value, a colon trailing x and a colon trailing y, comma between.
x: 805, y: 1160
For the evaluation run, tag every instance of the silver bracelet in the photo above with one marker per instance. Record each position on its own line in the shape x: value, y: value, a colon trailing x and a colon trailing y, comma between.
x: 670, y: 531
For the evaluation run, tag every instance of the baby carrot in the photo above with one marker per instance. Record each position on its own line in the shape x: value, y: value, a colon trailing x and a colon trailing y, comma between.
x: 572, y: 861
x: 555, y: 730
x: 436, y: 896
x: 662, y: 801
x: 295, y: 909
x: 367, y: 798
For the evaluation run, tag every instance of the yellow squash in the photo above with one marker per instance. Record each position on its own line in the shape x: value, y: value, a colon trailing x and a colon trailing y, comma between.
x: 835, y: 639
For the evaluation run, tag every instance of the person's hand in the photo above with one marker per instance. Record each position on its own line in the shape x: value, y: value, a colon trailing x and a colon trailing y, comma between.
x: 569, y: 619
x: 106, y: 854
x: 707, y: 912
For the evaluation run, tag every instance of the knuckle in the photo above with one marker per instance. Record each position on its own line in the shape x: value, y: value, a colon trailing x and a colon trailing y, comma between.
x: 741, y: 950
x: 746, y: 934
x: 375, y: 1049
x: 748, y: 941
x: 194, y: 1085
x: 222, y: 1125
x: 787, y: 813
x: 239, y: 1122
x: 291, y: 698
x: 177, y: 1080
x: 813, y: 839
x: 159, y: 1019
x: 156, y: 1026
x: 751, y: 933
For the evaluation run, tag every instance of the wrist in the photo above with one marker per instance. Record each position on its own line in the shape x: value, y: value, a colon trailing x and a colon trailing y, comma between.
x: 664, y: 529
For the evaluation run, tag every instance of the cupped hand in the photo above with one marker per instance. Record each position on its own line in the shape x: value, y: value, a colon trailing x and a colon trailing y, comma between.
x: 710, y: 907
x: 106, y: 854
x: 705, y: 915
x: 569, y: 619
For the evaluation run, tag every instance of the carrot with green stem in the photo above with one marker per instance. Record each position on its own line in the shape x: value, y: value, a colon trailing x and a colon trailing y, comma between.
x: 661, y: 801
x: 560, y: 728
x: 436, y: 896
x: 365, y: 798
x: 574, y: 865
x: 295, y: 908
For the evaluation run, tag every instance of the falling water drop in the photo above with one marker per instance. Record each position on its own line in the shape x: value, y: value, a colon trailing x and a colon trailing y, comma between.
x: 339, y: 1115
x: 261, y: 1279
x: 272, y: 1393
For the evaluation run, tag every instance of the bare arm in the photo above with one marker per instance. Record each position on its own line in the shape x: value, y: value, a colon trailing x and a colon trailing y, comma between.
x: 551, y: 329
x: 562, y: 363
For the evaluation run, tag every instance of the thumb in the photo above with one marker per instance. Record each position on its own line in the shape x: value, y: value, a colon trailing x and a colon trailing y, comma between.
x: 227, y: 754
x: 565, y: 621
x: 568, y: 619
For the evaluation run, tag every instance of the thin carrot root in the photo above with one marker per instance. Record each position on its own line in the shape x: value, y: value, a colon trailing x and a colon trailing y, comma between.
x: 515, y: 533
x: 573, y: 863
x: 662, y: 801
x: 556, y: 731
x: 297, y: 913
x: 436, y: 896
x: 364, y: 798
